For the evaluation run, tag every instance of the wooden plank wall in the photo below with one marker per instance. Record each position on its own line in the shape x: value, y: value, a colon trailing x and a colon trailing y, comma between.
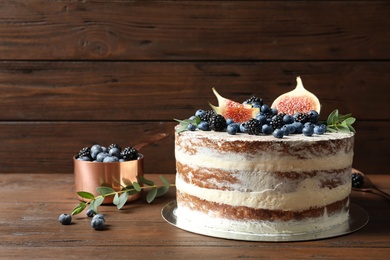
x: 75, y: 73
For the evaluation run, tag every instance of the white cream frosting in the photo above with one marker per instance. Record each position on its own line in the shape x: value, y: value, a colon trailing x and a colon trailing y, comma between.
x: 306, y: 194
x: 188, y: 218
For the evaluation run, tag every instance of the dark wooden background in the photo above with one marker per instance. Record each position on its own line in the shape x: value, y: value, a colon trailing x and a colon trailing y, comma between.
x: 75, y: 73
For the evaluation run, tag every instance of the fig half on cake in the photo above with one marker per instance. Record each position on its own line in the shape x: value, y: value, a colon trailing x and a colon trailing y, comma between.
x: 230, y: 109
x: 298, y: 100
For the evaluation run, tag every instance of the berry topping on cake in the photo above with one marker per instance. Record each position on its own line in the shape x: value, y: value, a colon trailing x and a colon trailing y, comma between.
x: 230, y: 109
x: 295, y: 112
x: 254, y: 101
x: 298, y: 100
x: 253, y: 126
x: 217, y: 123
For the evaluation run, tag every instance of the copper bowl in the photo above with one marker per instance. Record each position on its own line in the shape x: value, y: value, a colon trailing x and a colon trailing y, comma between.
x: 90, y: 175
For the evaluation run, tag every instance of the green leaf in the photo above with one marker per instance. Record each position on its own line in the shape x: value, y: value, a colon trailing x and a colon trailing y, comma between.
x: 184, y: 123
x: 79, y: 208
x: 146, y: 181
x: 343, y: 117
x: 151, y: 195
x: 104, y: 191
x: 350, y: 120
x: 340, y: 123
x: 115, y: 201
x: 99, y: 201
x: 351, y: 129
x: 165, y: 181
x: 136, y: 186
x: 86, y: 195
x: 332, y: 118
x: 162, y: 190
x: 122, y: 200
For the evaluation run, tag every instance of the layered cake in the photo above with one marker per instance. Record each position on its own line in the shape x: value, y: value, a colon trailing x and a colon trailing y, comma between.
x: 264, y: 171
x: 260, y: 184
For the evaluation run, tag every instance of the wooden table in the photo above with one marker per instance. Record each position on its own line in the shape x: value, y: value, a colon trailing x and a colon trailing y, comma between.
x: 31, y: 204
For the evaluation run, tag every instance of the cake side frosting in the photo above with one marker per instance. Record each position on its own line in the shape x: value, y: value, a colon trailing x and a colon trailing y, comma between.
x: 257, y: 179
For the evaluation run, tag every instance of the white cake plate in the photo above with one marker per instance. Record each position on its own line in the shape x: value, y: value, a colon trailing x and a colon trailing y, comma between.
x: 358, y: 218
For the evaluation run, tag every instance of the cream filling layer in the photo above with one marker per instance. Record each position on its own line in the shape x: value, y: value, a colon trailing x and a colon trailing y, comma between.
x: 195, y: 221
x: 207, y: 158
x: 307, y: 194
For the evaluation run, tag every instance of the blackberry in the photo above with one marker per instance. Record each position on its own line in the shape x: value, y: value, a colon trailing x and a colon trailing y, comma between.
x: 254, y: 101
x: 113, y: 146
x: 207, y: 115
x: 253, y: 126
x: 277, y: 121
x: 129, y: 153
x: 86, y: 151
x: 217, y: 123
x: 301, y: 117
x: 357, y: 180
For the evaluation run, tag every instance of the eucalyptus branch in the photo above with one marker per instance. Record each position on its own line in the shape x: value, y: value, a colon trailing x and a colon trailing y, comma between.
x: 120, y: 197
x: 340, y: 123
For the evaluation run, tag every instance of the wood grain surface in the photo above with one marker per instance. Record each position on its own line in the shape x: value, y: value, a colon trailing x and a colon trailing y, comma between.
x: 30, y: 229
x: 75, y: 73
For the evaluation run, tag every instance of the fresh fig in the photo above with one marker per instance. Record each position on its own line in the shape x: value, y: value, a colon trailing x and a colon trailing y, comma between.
x: 298, y: 100
x: 238, y: 112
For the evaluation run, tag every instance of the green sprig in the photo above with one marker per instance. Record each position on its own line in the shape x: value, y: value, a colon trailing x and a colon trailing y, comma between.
x: 184, y: 123
x: 340, y: 123
x: 120, y: 197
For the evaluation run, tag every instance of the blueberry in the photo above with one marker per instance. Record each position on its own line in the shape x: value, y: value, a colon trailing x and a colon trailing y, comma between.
x: 191, y: 127
x: 267, y: 129
x: 100, y: 157
x: 98, y: 223
x: 65, y: 219
x: 308, y: 124
x: 84, y: 158
x: 298, y: 126
x: 320, y: 129
x: 285, y: 130
x: 204, y: 126
x: 200, y: 112
x: 288, y: 119
x: 101, y: 216
x: 111, y: 159
x: 274, y: 111
x: 265, y: 109
x: 192, y: 118
x: 229, y: 121
x: 278, y: 133
x: 242, y: 128
x: 115, y: 152
x: 90, y: 213
x: 313, y: 116
x: 95, y: 150
x: 308, y: 131
x: 232, y: 129
x: 291, y: 128
x: 262, y: 118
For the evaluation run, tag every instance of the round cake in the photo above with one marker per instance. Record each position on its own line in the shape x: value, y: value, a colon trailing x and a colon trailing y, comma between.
x: 261, y: 184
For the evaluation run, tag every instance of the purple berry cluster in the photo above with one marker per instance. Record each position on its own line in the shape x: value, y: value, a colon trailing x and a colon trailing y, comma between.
x: 267, y: 122
x: 112, y: 153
